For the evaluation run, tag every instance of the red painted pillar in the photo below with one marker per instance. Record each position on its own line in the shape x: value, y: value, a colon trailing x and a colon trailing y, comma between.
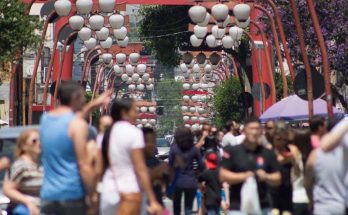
x: 256, y: 54
x: 68, y: 61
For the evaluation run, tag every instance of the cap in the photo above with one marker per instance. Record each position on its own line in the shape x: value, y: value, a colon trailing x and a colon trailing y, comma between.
x: 211, y: 160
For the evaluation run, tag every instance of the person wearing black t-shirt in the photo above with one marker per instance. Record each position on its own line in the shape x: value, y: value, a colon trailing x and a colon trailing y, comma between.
x: 246, y: 160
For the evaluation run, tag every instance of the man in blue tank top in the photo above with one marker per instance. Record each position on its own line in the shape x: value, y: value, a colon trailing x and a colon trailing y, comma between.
x: 69, y: 177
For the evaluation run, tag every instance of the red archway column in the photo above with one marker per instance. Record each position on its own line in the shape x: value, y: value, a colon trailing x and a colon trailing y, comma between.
x: 256, y: 54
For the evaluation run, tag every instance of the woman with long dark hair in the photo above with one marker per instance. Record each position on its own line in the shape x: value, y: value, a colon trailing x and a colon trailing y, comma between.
x: 186, y: 161
x: 123, y: 156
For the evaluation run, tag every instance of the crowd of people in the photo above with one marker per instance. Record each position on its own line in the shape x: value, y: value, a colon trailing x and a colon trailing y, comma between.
x: 250, y: 168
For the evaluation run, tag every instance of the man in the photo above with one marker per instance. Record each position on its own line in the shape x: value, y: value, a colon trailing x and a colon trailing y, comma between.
x: 69, y: 176
x: 246, y: 160
x: 229, y: 138
x: 318, y: 127
x: 324, y: 182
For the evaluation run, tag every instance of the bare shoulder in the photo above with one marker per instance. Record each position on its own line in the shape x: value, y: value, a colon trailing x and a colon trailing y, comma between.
x: 294, y: 149
x: 78, y: 125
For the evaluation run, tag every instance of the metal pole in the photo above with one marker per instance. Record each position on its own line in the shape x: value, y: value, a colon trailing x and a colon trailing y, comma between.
x: 36, y: 65
x: 279, y: 55
x: 304, y: 56
x: 268, y: 61
x: 326, y: 66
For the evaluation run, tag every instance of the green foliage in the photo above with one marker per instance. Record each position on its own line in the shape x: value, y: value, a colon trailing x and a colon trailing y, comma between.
x: 17, y: 29
x: 168, y: 93
x: 96, y: 113
x: 226, y: 102
x: 164, y: 20
x: 279, y: 85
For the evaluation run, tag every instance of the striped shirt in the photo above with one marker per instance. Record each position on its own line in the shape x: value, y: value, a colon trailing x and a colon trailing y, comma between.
x: 28, y: 177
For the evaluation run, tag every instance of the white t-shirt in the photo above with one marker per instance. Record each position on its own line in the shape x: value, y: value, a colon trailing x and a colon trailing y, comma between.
x: 240, y: 138
x: 124, y: 137
x: 229, y: 140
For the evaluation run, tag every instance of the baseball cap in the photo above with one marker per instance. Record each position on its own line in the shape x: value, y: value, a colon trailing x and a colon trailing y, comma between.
x: 211, y: 160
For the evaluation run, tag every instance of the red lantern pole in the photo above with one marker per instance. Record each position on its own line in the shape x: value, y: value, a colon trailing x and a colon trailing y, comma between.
x: 326, y: 66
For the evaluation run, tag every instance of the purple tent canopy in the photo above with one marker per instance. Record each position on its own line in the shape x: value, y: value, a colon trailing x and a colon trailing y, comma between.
x: 293, y: 108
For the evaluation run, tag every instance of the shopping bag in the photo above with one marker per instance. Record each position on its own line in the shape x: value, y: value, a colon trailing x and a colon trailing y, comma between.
x: 250, y: 203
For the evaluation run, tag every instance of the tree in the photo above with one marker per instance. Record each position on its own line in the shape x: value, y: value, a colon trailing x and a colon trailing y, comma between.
x: 279, y: 85
x: 225, y: 102
x: 333, y: 20
x: 17, y: 29
x: 168, y: 93
x: 171, y: 21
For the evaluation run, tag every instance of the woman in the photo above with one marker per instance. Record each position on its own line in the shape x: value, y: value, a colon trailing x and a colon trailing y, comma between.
x: 123, y: 155
x: 288, y: 156
x: 23, y: 181
x: 186, y: 161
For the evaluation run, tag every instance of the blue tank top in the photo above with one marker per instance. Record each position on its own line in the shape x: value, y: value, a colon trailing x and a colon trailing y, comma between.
x: 62, y: 180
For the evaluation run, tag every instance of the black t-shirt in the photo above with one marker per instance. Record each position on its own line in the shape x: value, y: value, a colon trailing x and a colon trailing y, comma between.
x: 213, y: 187
x: 240, y: 159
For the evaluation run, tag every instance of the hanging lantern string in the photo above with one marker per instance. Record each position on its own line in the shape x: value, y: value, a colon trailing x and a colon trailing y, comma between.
x: 165, y: 35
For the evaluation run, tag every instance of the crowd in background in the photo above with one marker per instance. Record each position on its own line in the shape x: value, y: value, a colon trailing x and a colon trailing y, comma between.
x: 63, y: 169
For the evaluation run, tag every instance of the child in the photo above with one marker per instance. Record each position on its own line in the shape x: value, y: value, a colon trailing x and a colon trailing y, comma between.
x: 209, y: 180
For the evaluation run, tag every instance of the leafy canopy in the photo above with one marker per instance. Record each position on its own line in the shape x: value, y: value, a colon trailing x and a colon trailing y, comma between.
x: 17, y: 29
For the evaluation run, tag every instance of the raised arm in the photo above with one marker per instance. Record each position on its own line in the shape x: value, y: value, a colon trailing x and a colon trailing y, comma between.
x: 102, y: 99
x: 332, y: 139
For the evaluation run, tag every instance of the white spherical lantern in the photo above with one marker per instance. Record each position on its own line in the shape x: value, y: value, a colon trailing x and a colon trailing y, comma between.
x: 107, y: 6
x: 118, y: 70
x: 208, y: 68
x: 76, y: 22
x: 195, y: 42
x: 194, y: 98
x: 192, y: 109
x: 135, y: 77
x: 129, y: 81
x: 153, y: 121
x: 150, y: 81
x: 205, y: 23
x: 194, y: 118
x: 134, y: 58
x: 106, y: 44
x: 241, y: 12
x: 227, y: 42
x: 103, y: 33
x: 90, y: 43
x: 121, y: 33
x: 84, y: 7
x: 123, y: 43
x: 107, y: 57
x: 124, y: 77
x: 139, y: 81
x: 243, y: 24
x: 140, y: 126
x: 186, y: 98
x: 146, y: 77
x: 204, y: 86
x: 149, y: 87
x: 187, y: 125
x: 96, y: 22
x: 195, y: 86
x: 196, y: 68
x: 195, y: 127
x: 201, y: 119
x: 183, y: 67
x: 143, y: 110
x: 211, y: 41
x: 217, y: 32
x: 131, y: 87
x: 62, y: 7
x: 186, y: 74
x: 85, y: 33
x: 129, y: 69
x: 147, y: 125
x: 184, y: 108
x: 197, y: 13
x: 121, y: 58
x: 200, y: 32
x: 186, y: 86
x: 236, y: 33
x: 186, y: 118
x: 141, y: 69
x: 220, y: 12
x: 225, y: 23
x: 200, y: 110
x: 152, y: 109
x: 116, y: 21
x: 141, y: 87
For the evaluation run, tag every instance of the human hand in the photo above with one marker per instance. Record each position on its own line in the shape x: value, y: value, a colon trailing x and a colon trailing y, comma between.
x: 33, y: 209
x: 155, y: 208
x: 247, y: 175
x: 103, y: 99
x: 225, y: 206
x: 93, y: 204
x: 261, y: 174
x: 205, y: 134
x: 5, y: 163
